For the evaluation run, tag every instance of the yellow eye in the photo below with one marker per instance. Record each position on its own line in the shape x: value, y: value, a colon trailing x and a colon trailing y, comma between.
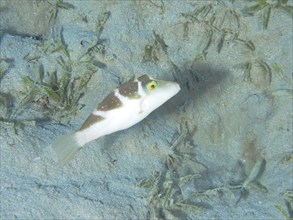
x: 152, y: 85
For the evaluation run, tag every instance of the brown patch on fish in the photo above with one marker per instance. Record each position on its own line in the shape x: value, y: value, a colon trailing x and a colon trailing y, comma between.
x: 92, y: 119
x: 144, y: 79
x: 109, y: 103
x: 130, y: 90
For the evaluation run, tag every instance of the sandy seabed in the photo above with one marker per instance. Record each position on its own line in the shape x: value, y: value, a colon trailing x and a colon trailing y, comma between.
x: 219, y: 149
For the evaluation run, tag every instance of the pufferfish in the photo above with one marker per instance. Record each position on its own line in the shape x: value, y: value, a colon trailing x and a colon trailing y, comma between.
x: 122, y: 108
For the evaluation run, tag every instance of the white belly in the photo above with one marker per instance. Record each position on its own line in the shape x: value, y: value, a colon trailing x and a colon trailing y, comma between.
x: 114, y: 120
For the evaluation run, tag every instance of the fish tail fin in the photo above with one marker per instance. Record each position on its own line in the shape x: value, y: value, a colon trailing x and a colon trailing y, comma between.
x: 66, y: 147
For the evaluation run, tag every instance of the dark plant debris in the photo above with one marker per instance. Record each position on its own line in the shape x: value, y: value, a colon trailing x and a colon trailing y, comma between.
x: 264, y: 8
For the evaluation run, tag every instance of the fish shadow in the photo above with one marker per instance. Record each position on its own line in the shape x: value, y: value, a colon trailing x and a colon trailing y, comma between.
x: 195, y: 81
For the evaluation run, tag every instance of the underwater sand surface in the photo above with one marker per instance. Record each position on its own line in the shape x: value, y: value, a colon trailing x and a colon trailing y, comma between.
x: 220, y: 149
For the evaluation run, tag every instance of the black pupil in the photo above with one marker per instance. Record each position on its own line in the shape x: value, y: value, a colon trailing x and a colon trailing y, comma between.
x: 152, y: 86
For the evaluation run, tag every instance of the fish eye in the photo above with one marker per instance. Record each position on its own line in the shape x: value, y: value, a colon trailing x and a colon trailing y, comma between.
x: 152, y: 85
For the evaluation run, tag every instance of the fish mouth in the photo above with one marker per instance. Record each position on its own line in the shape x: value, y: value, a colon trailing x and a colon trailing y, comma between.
x: 175, y: 87
x: 178, y: 87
